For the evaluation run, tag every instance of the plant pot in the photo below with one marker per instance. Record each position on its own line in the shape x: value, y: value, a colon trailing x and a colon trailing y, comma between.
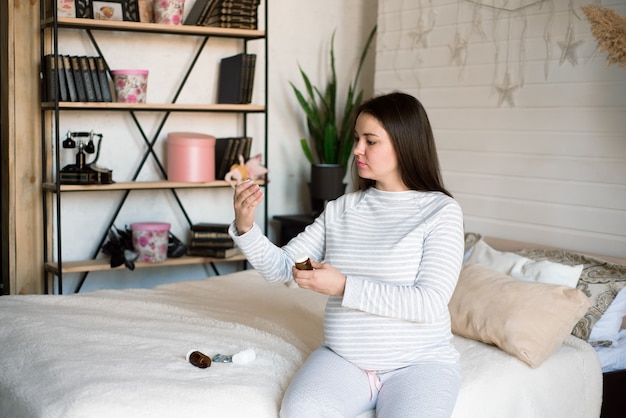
x: 326, y: 184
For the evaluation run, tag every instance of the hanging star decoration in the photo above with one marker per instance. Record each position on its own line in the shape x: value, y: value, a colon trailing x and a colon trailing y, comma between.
x: 568, y: 48
x: 505, y: 90
x: 458, y: 50
x: 609, y: 29
x: 422, y: 31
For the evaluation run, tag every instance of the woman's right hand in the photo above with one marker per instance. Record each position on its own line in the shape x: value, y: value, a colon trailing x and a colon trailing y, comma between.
x: 247, y: 197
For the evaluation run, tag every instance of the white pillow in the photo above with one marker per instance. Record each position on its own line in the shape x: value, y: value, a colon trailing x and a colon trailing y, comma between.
x: 608, y: 326
x: 523, y: 268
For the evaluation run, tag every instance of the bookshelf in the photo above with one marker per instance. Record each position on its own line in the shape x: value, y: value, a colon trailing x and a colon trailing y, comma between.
x: 54, y: 264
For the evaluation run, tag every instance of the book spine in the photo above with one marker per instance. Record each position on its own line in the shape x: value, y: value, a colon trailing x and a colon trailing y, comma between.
x: 93, y: 71
x: 209, y: 235
x: 78, y: 80
x: 198, y: 8
x: 63, y: 96
x: 90, y: 92
x: 211, y: 244
x: 69, y: 78
x: 210, y: 227
x: 249, y: 78
x: 212, y: 252
x: 50, y: 78
x: 104, y: 80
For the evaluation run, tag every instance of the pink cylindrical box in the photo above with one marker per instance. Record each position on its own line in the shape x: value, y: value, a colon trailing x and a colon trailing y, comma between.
x: 131, y: 86
x: 190, y: 157
x: 150, y: 240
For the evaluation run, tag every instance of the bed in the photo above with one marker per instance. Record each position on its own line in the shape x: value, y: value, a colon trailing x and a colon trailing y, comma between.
x: 121, y: 353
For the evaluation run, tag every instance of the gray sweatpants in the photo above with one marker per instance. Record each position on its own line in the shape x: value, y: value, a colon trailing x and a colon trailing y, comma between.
x: 329, y: 386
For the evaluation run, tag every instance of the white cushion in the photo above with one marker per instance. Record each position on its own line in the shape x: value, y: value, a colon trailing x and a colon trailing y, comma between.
x: 523, y: 268
x: 608, y: 326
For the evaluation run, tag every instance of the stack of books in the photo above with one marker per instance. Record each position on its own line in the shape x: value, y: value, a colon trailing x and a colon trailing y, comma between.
x: 211, y: 240
x: 239, y: 14
x: 236, y: 79
x: 76, y: 79
x: 227, y: 152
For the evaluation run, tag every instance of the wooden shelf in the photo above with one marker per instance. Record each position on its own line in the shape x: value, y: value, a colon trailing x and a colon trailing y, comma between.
x: 105, y: 264
x: 137, y: 185
x: 109, y: 25
x: 155, y: 107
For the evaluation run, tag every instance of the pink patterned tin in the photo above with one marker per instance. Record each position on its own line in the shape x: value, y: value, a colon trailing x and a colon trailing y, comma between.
x: 131, y: 86
x: 150, y: 241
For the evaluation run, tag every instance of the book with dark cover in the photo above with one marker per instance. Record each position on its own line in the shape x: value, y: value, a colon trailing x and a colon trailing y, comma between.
x: 210, y: 227
x: 213, y: 252
x: 90, y: 92
x: 78, y: 79
x: 199, y: 8
x: 50, y: 78
x: 223, y: 150
x: 233, y: 75
x: 209, y: 235
x: 63, y: 95
x: 104, y: 80
x: 95, y: 79
x: 226, y: 7
x: 231, y: 25
x: 69, y: 79
x: 232, y: 19
x: 249, y: 78
x: 212, y: 243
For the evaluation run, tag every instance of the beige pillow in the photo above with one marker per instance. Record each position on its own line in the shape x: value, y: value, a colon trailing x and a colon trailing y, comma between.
x: 525, y: 319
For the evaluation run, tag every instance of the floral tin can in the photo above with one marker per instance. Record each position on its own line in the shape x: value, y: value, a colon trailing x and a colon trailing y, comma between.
x: 131, y: 86
x: 150, y: 240
x: 168, y: 12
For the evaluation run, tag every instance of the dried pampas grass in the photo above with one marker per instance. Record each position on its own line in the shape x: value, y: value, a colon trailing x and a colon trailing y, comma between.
x: 609, y: 29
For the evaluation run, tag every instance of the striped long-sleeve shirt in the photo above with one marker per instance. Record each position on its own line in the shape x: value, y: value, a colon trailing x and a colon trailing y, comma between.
x: 401, y: 253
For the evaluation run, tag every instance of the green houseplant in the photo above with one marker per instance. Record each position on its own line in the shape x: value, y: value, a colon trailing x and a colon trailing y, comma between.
x: 330, y: 128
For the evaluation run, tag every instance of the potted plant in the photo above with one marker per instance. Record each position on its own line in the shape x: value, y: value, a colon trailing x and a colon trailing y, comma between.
x: 330, y: 127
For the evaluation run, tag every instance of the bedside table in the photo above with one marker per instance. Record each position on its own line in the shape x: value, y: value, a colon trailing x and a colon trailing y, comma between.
x: 292, y: 225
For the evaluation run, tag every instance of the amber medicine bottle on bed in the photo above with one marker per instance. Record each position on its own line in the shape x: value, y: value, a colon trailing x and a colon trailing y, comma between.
x: 303, y: 262
x: 199, y: 359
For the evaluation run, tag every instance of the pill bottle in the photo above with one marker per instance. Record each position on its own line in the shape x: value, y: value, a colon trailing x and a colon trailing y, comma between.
x: 303, y: 262
x: 199, y: 359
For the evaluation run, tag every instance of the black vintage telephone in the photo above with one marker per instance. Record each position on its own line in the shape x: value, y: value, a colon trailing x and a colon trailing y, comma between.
x: 82, y: 172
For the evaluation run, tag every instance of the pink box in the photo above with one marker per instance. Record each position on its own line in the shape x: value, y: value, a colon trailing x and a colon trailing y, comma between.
x: 150, y: 241
x: 190, y: 157
x: 131, y: 86
x: 169, y: 12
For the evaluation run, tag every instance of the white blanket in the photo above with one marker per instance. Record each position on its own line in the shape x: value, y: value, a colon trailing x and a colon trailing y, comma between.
x: 121, y: 353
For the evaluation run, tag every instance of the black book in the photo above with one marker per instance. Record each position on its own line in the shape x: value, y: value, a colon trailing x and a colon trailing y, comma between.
x: 232, y: 25
x: 50, y: 78
x: 212, y: 243
x: 213, y: 252
x: 78, y: 80
x: 90, y: 92
x: 63, y: 95
x: 197, y: 10
x: 210, y: 227
x: 69, y: 79
x: 104, y: 80
x: 232, y: 78
x: 223, y: 150
x: 95, y: 79
x: 249, y: 78
x: 231, y: 18
x: 209, y: 235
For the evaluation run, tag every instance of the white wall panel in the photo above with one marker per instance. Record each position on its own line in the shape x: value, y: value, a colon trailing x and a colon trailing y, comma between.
x: 549, y: 166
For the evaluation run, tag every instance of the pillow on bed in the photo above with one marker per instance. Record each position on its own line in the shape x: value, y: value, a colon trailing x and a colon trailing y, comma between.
x: 523, y: 268
x: 525, y: 319
x: 600, y: 280
x: 608, y: 327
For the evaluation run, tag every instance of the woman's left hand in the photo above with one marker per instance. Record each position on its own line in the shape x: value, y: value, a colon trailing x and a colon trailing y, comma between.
x: 323, y: 279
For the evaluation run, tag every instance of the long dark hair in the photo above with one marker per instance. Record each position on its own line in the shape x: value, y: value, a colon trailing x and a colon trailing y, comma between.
x: 405, y: 120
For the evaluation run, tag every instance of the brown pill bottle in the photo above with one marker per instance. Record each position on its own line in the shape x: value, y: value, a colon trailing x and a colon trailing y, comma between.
x: 199, y: 359
x: 303, y: 262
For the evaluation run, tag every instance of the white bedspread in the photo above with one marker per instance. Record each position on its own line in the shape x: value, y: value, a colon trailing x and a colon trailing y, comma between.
x: 121, y: 353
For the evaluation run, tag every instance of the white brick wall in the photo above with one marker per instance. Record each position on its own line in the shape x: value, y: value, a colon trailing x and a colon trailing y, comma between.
x: 548, y: 167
